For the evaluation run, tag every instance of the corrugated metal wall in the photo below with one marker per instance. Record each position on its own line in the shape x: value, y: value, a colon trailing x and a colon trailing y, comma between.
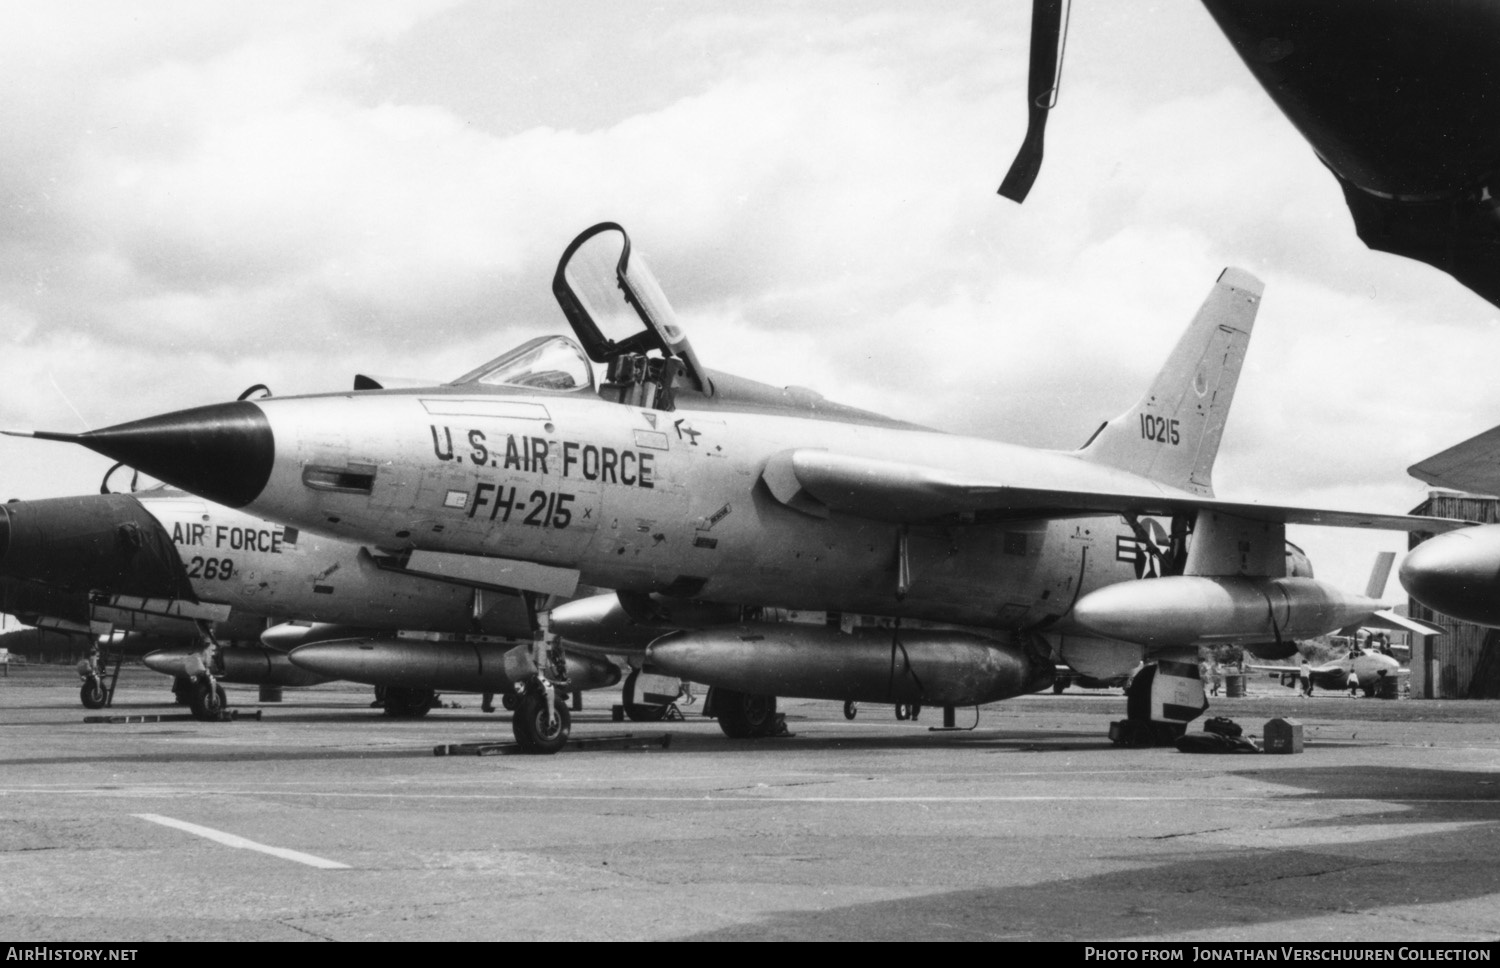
x: 1463, y: 662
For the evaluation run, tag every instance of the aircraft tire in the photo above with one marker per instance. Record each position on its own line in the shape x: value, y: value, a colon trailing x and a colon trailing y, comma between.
x: 408, y: 703
x: 1058, y: 686
x: 638, y: 712
x: 182, y: 690
x: 534, y: 733
x: 208, y: 701
x: 744, y: 715
x: 851, y: 709
x: 92, y: 694
x: 508, y: 702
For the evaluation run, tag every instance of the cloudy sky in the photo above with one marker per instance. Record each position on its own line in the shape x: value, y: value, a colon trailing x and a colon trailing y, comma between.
x: 198, y: 197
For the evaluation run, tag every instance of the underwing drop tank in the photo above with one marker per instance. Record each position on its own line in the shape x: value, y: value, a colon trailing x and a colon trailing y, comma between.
x: 1457, y: 573
x: 242, y: 664
x: 627, y: 623
x: 289, y: 635
x: 443, y: 666
x: 921, y: 666
x: 1184, y: 610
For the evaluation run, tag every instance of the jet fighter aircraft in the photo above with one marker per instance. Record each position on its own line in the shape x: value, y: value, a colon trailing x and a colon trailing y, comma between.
x: 170, y: 563
x: 1401, y: 101
x: 1369, y: 667
x: 948, y: 570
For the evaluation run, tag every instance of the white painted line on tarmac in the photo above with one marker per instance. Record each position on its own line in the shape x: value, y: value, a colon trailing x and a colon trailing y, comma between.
x: 232, y: 840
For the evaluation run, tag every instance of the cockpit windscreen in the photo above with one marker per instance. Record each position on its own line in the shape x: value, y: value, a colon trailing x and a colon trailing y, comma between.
x: 544, y: 363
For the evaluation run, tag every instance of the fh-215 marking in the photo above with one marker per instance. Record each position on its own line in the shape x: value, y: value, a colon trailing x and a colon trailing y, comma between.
x: 539, y: 455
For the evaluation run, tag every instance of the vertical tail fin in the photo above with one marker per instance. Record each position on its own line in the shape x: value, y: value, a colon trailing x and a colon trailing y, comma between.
x: 1380, y: 574
x: 1172, y: 435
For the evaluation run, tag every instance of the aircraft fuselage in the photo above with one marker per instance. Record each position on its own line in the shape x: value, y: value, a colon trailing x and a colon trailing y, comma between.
x: 673, y: 501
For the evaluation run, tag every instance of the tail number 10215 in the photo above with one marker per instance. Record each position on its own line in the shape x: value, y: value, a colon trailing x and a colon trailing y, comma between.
x: 1160, y: 429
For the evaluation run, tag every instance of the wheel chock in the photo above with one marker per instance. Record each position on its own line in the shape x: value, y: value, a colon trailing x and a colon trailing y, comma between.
x: 625, y: 741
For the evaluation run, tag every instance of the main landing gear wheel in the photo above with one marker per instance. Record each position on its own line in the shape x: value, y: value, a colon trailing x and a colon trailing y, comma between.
x: 743, y: 715
x: 908, y: 711
x: 535, y: 731
x: 1159, y: 703
x: 207, y: 701
x: 851, y: 709
x: 639, y: 712
x: 404, y: 702
x: 182, y: 690
x: 92, y: 694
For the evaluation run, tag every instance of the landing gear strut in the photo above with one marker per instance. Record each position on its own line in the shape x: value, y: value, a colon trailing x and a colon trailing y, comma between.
x: 206, y: 697
x: 98, y: 688
x: 541, y: 721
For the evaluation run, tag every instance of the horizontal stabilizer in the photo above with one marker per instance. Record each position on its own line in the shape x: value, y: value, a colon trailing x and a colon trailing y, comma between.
x: 1472, y: 466
x: 1387, y: 619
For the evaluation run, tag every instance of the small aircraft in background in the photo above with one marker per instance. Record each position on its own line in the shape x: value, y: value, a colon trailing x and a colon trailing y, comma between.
x: 1399, y: 100
x: 1369, y: 660
x: 1371, y: 668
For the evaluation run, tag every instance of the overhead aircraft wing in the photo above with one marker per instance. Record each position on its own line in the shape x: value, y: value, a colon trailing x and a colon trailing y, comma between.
x: 819, y: 481
x: 1472, y: 466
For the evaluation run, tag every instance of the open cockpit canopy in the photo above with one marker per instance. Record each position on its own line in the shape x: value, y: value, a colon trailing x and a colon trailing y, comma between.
x: 616, y: 306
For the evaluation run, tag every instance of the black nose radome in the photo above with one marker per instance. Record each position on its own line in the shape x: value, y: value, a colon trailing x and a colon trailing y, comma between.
x: 104, y: 543
x: 223, y: 452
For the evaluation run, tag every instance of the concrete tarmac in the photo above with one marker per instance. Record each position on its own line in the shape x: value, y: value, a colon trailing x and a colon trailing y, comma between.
x: 324, y: 820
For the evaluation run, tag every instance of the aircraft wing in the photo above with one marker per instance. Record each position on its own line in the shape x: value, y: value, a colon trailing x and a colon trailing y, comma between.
x: 819, y: 481
x: 1388, y: 619
x: 1282, y: 670
x: 1472, y: 466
